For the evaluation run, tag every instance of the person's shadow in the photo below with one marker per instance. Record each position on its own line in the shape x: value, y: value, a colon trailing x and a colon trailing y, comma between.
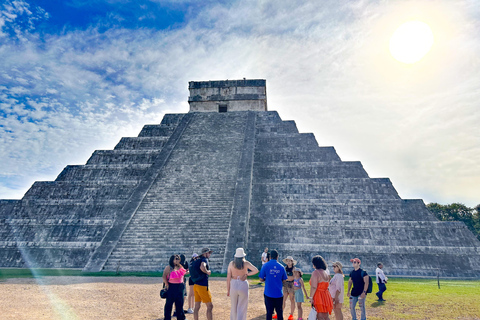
x: 377, y: 304
x: 262, y: 317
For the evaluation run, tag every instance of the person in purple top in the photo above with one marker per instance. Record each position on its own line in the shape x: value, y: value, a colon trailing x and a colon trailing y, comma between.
x: 273, y: 273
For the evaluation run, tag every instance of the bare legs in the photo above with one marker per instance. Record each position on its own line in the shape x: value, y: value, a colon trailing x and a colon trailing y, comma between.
x: 197, y: 309
x: 322, y: 316
x: 191, y: 297
x: 292, y: 302
x: 300, y: 310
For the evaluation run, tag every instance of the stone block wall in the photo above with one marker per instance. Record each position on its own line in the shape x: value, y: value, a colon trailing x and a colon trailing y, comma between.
x: 306, y: 201
x: 59, y: 224
x: 226, y: 180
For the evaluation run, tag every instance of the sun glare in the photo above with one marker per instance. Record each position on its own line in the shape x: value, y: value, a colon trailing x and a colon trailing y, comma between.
x: 411, y: 41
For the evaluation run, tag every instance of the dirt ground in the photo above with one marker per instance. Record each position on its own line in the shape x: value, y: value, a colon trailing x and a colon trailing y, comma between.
x: 111, y: 298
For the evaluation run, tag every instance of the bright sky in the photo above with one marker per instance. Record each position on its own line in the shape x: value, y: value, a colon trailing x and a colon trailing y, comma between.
x: 77, y: 75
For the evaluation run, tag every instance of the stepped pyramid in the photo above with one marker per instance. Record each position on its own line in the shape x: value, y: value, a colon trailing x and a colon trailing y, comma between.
x: 227, y: 174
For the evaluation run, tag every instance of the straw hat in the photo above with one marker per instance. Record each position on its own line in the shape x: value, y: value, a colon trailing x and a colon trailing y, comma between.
x: 339, y: 265
x: 239, y: 253
x: 289, y: 258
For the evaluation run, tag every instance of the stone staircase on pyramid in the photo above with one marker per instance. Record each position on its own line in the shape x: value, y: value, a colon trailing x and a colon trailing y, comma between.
x: 188, y: 206
x: 227, y: 174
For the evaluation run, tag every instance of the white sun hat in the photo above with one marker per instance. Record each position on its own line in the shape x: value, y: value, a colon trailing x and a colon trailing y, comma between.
x: 239, y: 253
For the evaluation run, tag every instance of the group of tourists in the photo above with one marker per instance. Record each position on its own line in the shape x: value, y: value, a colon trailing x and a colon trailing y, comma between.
x: 175, y: 283
x: 283, y: 283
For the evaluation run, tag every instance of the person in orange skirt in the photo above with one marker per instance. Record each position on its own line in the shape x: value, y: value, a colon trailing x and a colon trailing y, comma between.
x: 320, y: 296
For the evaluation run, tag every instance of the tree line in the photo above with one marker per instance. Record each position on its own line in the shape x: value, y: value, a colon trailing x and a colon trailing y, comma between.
x: 458, y: 212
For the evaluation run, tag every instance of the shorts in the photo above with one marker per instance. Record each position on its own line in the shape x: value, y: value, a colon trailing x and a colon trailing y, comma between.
x: 202, y: 294
x: 287, y: 287
x: 299, y: 296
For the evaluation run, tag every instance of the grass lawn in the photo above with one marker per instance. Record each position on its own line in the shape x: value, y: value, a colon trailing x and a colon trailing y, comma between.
x: 422, y: 299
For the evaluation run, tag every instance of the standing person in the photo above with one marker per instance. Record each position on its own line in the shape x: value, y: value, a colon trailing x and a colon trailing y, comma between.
x: 337, y: 289
x: 381, y: 281
x: 237, y: 284
x: 173, y: 279
x: 191, y: 296
x: 274, y: 275
x: 288, y: 285
x: 200, y: 273
x: 320, y: 297
x: 184, y: 264
x: 264, y: 256
x: 359, y: 280
x: 298, y: 286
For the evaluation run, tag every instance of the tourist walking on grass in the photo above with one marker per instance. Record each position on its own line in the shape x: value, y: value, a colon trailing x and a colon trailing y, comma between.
x: 359, y: 280
x: 288, y: 292
x: 273, y: 273
x: 237, y: 284
x: 173, y: 276
x: 319, y: 282
x: 298, y: 286
x: 337, y: 289
x: 381, y: 281
x: 200, y: 272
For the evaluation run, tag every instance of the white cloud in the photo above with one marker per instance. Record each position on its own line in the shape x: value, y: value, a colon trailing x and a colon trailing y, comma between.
x: 326, y: 65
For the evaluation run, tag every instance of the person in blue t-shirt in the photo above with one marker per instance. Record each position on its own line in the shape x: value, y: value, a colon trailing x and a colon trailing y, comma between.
x: 273, y: 273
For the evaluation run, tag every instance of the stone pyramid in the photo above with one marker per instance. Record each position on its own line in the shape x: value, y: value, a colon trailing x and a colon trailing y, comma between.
x: 227, y: 174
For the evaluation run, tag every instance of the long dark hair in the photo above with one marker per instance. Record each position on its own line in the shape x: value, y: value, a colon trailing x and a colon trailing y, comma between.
x: 319, y: 262
x: 238, y: 262
x: 183, y: 261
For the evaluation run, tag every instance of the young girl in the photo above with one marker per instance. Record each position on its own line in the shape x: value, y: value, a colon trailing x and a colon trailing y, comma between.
x: 298, y: 286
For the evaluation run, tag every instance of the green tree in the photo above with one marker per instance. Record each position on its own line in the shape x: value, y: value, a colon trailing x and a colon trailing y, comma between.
x: 458, y: 212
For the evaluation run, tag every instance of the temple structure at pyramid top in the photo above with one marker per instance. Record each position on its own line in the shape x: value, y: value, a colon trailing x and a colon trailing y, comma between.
x: 227, y: 96
x: 227, y: 174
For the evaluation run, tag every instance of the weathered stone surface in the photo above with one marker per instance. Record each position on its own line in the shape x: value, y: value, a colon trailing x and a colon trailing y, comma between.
x: 230, y: 95
x: 226, y: 180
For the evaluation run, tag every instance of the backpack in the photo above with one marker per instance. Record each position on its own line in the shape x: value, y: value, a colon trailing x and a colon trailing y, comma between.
x: 370, y: 283
x: 196, y: 274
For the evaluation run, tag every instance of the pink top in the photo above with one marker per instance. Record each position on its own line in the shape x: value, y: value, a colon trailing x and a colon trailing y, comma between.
x: 176, y: 276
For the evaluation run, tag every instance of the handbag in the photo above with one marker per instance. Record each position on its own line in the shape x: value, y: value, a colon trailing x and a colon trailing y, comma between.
x: 163, y: 293
x: 313, y: 314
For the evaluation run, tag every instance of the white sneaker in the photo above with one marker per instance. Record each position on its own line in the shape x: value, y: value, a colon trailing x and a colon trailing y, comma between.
x: 190, y: 310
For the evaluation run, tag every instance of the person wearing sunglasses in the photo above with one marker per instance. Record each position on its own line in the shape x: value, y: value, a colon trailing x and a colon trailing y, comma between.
x: 359, y: 279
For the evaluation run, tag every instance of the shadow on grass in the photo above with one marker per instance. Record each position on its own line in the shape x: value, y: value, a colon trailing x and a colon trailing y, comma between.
x: 377, y: 304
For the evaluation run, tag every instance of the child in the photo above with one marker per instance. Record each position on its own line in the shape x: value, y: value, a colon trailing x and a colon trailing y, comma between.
x: 298, y: 285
